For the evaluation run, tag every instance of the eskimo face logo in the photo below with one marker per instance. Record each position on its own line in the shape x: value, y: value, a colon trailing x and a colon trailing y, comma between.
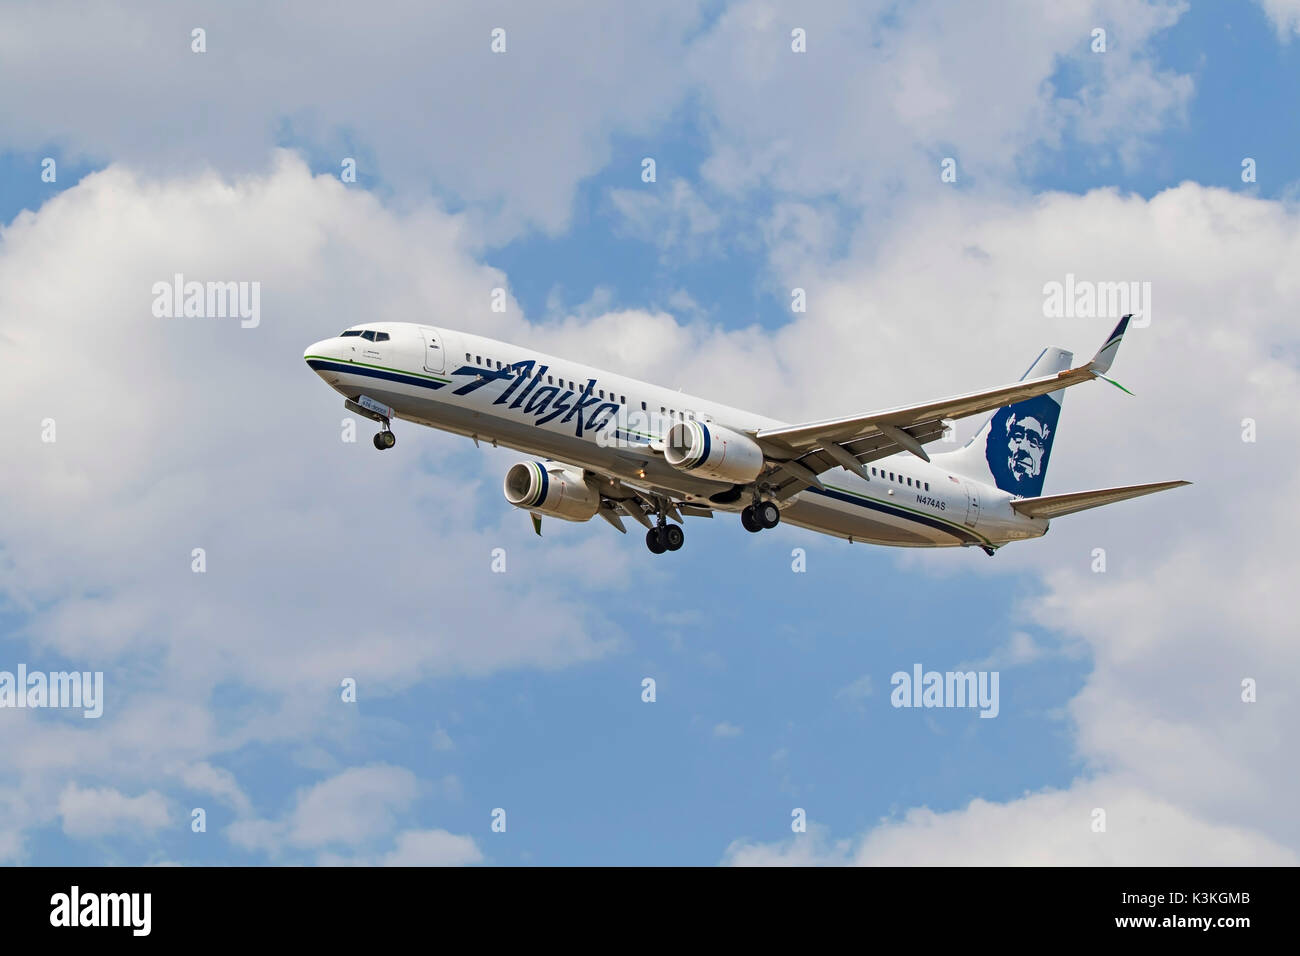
x: 1020, y: 441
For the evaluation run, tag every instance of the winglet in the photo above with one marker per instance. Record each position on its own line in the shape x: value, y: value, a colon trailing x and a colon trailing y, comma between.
x: 1106, y: 354
x: 537, y: 525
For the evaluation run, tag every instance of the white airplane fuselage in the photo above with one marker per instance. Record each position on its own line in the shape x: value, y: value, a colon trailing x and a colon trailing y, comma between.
x: 610, y: 425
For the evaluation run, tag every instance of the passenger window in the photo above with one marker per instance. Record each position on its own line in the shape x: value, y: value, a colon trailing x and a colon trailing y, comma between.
x: 478, y: 359
x: 467, y: 358
x: 873, y: 469
x: 550, y: 380
x: 643, y: 408
x: 602, y: 393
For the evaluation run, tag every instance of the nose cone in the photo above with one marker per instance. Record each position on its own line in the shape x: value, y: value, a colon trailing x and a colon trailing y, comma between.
x: 315, y: 352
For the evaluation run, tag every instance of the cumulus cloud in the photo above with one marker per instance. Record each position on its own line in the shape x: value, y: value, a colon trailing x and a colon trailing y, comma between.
x: 941, y: 80
x: 432, y: 848
x: 91, y: 812
x: 413, y: 92
x: 177, y: 434
x: 1092, y: 824
x: 341, y: 817
x: 1285, y: 16
x: 218, y: 782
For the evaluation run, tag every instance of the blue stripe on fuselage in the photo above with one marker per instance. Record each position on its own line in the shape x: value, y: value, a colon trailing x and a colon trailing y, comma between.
x: 960, y: 535
x: 350, y: 369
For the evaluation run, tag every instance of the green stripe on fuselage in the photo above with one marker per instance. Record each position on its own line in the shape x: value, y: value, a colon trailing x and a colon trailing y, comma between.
x: 381, y: 368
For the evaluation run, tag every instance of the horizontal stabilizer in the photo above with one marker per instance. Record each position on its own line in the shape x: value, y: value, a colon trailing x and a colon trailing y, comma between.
x: 1054, y: 506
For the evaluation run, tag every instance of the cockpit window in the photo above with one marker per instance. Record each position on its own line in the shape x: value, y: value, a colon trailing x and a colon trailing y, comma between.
x: 344, y: 335
x: 368, y: 335
x: 381, y: 336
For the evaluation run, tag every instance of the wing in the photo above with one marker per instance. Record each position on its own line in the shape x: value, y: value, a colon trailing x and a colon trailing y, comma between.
x: 804, y: 451
x: 1054, y: 506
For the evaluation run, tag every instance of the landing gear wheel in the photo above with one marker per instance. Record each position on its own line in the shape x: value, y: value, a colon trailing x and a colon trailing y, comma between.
x: 749, y: 519
x: 385, y: 440
x: 673, y: 537
x: 768, y: 514
x: 654, y: 541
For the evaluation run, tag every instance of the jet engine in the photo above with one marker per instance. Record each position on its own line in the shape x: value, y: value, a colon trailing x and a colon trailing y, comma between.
x: 712, y: 451
x: 556, y: 492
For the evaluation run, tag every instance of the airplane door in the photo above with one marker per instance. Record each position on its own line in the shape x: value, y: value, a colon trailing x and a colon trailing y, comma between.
x: 433, y: 352
x: 972, y: 504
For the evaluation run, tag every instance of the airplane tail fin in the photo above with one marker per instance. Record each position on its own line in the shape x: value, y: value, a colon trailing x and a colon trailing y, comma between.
x: 1012, y: 450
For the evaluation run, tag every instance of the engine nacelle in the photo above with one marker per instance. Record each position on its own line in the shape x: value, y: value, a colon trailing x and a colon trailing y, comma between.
x: 557, y: 493
x: 712, y: 451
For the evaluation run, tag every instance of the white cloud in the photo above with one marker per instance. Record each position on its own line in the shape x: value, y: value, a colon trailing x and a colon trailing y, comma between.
x: 412, y: 90
x: 853, y: 695
x: 941, y: 80
x: 442, y: 740
x: 673, y: 216
x: 417, y: 848
x: 1052, y: 828
x: 218, y: 782
x: 1019, y: 649
x: 1285, y: 16
x: 725, y: 729
x: 92, y: 812
x: 433, y: 848
x: 174, y: 434
x: 351, y: 808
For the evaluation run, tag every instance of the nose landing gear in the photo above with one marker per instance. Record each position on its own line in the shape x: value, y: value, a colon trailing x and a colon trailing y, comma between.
x: 376, y: 412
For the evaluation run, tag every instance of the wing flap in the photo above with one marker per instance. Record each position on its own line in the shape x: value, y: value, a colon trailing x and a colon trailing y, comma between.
x: 1055, y: 506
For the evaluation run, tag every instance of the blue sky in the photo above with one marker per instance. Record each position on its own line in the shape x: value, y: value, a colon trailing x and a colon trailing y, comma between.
x: 772, y: 686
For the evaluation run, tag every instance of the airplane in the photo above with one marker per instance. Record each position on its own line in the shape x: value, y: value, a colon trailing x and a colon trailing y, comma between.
x: 603, y: 444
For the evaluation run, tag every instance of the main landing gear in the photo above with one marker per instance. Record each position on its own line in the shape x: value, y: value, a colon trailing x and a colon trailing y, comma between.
x: 385, y: 439
x: 760, y: 515
x: 665, y: 537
